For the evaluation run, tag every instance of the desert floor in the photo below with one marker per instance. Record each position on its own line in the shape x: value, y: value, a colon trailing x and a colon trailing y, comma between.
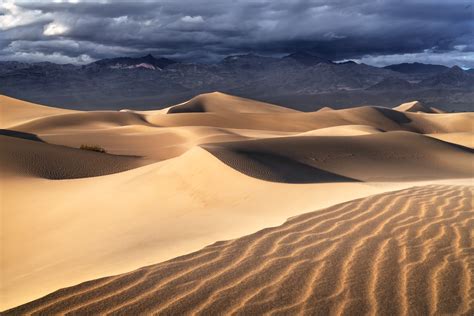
x: 353, y: 211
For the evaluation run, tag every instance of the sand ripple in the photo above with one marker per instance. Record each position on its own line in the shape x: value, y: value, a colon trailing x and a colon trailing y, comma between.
x: 407, y: 252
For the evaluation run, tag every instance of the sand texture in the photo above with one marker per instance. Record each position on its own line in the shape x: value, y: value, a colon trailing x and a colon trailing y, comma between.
x: 219, y: 167
x: 404, y: 252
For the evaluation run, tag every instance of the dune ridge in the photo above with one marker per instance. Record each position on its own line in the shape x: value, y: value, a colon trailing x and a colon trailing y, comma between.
x: 224, y: 103
x: 403, y: 252
x: 15, y: 112
x: 416, y: 106
x: 157, y: 136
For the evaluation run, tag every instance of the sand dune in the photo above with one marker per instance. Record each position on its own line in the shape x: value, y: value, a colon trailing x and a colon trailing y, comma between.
x: 464, y: 139
x: 392, y: 156
x: 14, y: 111
x: 216, y: 167
x: 132, y: 132
x: 224, y: 103
x: 379, y: 118
x: 29, y: 158
x: 343, y: 130
x: 263, y: 117
x: 404, y: 252
x: 81, y: 120
x: 126, y: 220
x: 416, y: 106
x: 325, y: 108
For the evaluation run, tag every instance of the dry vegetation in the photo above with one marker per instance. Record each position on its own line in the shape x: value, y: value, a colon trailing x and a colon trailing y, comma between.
x: 93, y: 148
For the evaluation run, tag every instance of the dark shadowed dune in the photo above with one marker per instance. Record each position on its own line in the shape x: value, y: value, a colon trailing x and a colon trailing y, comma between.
x: 22, y: 135
x: 391, y: 156
x: 36, y: 159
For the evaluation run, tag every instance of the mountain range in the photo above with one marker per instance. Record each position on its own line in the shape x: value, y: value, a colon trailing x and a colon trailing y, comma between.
x: 299, y: 80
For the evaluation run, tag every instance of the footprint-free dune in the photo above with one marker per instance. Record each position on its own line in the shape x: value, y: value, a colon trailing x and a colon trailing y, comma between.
x: 355, y: 211
x: 404, y: 252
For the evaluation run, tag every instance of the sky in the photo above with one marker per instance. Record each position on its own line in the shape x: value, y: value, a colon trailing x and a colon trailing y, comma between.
x: 376, y: 32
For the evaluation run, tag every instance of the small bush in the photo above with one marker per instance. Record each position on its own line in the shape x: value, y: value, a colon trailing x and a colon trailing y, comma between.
x: 93, y: 148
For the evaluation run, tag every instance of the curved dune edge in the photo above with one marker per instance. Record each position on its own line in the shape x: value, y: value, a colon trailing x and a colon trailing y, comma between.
x: 464, y: 139
x: 403, y: 252
x: 391, y: 156
x: 225, y: 103
x: 14, y: 111
x: 416, y: 106
x: 343, y: 130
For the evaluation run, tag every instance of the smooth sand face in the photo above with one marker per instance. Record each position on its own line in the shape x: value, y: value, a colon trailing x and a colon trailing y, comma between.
x: 464, y: 139
x: 417, y: 107
x: 172, y: 183
x: 224, y: 103
x: 14, y: 112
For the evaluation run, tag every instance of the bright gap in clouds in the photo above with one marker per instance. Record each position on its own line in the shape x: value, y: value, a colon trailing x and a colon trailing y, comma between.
x: 53, y: 29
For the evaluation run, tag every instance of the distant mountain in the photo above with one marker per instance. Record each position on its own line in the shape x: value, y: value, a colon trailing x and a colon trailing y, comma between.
x: 349, y: 62
x: 453, y: 77
x: 146, y: 62
x: 298, y: 80
x: 413, y: 68
x: 391, y: 83
x: 246, y: 62
x: 308, y: 59
x: 247, y: 58
x: 13, y: 66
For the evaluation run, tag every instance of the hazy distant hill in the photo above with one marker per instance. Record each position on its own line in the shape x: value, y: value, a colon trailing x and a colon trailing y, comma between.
x: 453, y: 77
x: 391, y: 84
x: 299, y: 80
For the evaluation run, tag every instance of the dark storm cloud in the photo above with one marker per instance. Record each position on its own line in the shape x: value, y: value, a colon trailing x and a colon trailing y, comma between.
x: 372, y: 31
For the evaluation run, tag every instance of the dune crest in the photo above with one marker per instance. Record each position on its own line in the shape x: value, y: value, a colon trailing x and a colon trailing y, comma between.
x: 219, y: 102
x: 404, y: 252
x: 14, y: 111
x: 416, y: 107
x: 343, y: 130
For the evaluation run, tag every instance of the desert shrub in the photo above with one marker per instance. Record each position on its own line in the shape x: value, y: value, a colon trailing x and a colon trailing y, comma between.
x: 93, y: 148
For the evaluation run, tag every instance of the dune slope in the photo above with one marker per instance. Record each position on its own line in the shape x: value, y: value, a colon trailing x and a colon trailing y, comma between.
x: 22, y: 157
x: 404, y: 252
x: 391, y: 156
x: 14, y: 111
x: 56, y: 233
x: 221, y: 102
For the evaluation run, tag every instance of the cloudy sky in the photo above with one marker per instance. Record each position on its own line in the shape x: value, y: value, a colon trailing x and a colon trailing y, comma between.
x: 377, y: 32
